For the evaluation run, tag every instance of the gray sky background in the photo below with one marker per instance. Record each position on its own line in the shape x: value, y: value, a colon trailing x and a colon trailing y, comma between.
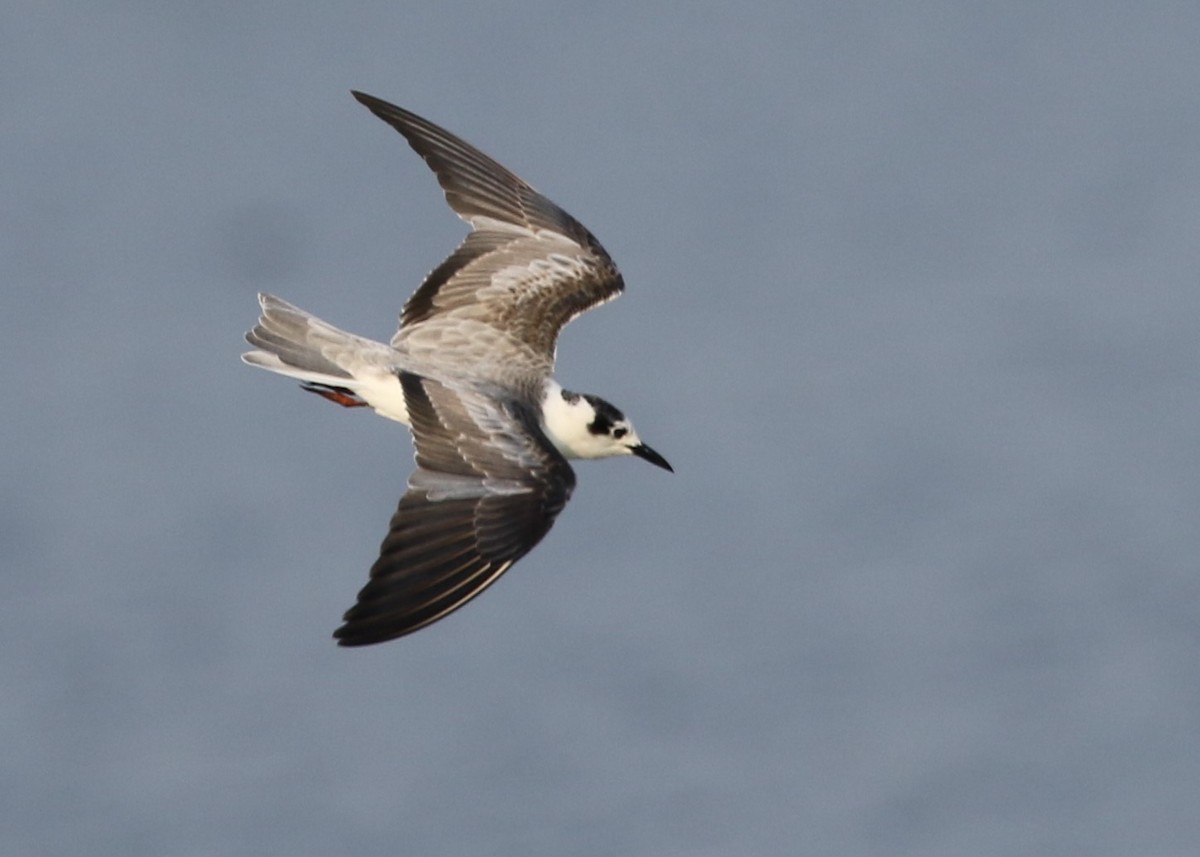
x: 912, y: 308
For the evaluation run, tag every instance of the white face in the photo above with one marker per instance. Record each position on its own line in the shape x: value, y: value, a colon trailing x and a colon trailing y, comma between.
x: 583, y: 426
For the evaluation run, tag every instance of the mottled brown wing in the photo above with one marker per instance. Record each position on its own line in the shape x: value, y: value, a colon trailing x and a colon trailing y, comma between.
x: 487, y: 488
x: 526, y: 259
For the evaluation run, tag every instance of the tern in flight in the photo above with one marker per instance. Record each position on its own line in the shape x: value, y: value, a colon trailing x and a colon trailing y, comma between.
x: 470, y: 372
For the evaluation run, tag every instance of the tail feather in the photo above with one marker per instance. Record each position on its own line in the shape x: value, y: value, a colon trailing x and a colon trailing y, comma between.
x: 297, y: 344
x: 302, y: 341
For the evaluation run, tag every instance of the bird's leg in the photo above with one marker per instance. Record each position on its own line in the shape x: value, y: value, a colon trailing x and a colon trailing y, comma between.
x: 340, y: 395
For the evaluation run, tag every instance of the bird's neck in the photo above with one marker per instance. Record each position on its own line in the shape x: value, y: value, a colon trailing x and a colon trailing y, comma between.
x: 565, y: 417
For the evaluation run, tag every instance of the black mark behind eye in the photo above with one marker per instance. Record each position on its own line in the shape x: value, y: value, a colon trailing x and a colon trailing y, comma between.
x: 606, y: 416
x: 600, y: 425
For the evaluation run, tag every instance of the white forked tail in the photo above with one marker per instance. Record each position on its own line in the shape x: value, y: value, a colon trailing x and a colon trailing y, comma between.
x: 295, y: 343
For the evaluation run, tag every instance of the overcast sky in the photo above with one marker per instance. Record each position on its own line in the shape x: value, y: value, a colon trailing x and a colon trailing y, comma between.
x: 912, y: 308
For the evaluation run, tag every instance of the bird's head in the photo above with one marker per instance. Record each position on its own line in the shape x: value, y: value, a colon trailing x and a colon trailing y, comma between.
x: 585, y: 426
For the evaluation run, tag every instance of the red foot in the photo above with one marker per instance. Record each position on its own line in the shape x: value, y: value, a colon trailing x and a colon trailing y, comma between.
x: 346, y: 400
x: 340, y: 395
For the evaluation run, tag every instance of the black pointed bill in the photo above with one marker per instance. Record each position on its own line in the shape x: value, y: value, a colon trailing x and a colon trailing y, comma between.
x: 643, y: 451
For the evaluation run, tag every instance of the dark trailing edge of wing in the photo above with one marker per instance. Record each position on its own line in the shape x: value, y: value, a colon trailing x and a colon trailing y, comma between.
x: 479, y: 501
x: 476, y: 186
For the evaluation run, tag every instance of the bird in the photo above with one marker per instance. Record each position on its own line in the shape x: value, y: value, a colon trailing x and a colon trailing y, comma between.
x: 470, y: 371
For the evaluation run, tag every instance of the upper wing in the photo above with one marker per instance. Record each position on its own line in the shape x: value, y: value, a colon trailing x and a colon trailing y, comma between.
x: 530, y: 265
x: 487, y: 488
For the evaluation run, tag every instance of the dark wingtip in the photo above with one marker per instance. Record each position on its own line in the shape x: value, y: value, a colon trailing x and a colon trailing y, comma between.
x: 385, y: 110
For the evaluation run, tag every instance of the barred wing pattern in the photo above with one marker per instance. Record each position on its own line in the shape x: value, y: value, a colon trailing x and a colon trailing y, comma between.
x: 487, y: 488
x: 527, y: 268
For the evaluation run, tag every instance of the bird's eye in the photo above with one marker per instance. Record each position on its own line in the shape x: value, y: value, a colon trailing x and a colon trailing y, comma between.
x: 619, y: 433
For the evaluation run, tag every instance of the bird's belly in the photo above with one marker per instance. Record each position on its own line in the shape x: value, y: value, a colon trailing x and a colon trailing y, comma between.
x: 383, y: 393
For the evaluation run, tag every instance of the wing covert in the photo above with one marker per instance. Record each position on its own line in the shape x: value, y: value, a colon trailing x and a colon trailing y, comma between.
x: 527, y: 259
x: 487, y: 489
